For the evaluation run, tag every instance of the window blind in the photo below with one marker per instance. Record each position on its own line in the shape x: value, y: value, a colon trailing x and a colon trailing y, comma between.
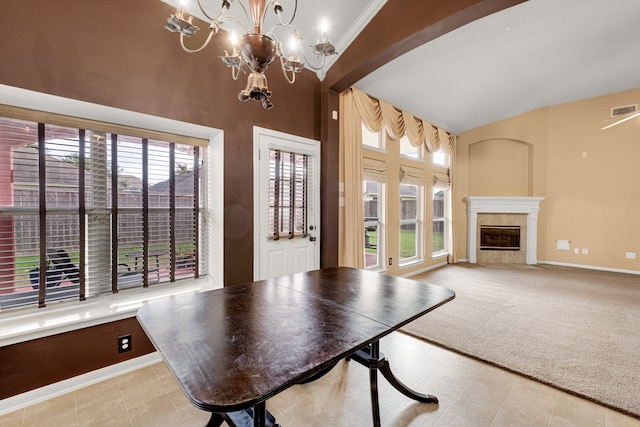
x: 412, y: 176
x: 288, y: 194
x: 374, y: 170
x: 87, y: 212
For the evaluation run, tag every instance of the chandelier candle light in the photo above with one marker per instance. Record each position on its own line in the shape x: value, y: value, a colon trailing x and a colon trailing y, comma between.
x: 254, y: 49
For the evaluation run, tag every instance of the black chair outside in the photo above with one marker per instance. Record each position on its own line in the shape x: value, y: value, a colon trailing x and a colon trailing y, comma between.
x: 59, y: 267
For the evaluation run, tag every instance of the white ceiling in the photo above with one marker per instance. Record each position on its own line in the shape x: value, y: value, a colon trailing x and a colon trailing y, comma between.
x: 345, y: 19
x: 536, y: 54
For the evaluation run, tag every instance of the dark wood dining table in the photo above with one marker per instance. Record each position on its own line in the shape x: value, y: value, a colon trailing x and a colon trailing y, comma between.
x: 232, y: 349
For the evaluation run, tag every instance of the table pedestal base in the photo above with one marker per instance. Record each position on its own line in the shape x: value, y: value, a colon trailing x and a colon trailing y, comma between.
x: 371, y: 357
x: 258, y: 416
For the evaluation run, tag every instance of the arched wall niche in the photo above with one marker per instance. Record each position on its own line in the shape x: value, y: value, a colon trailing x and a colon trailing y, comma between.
x: 501, y: 167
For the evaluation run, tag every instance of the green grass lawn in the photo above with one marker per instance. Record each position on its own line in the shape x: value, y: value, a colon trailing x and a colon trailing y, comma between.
x: 23, y: 264
x: 407, y: 243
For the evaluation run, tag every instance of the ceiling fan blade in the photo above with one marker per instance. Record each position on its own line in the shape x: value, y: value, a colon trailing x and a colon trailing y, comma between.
x: 622, y: 120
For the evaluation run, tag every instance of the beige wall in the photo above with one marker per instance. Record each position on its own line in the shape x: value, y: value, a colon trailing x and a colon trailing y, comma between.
x: 590, y: 178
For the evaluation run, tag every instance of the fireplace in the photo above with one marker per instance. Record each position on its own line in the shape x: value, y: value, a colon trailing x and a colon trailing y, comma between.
x: 508, y: 210
x: 499, y: 237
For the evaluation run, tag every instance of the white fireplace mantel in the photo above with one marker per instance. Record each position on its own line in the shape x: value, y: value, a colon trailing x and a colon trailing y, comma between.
x: 500, y: 205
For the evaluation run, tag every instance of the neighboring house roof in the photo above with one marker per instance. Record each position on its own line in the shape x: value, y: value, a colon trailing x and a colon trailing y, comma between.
x: 25, y: 168
x: 184, y: 184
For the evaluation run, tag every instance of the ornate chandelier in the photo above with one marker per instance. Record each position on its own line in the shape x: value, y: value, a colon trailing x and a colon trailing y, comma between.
x: 254, y: 49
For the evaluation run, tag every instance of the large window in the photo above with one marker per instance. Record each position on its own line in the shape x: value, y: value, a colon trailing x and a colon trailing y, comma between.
x: 410, y: 214
x: 373, y: 225
x: 87, y: 212
x: 441, y: 203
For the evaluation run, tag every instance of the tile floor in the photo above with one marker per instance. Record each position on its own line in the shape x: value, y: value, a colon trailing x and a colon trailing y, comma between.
x: 471, y: 393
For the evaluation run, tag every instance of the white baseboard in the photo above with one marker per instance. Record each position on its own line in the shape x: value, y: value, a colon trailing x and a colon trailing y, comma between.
x: 590, y: 267
x: 41, y: 394
x: 423, y: 270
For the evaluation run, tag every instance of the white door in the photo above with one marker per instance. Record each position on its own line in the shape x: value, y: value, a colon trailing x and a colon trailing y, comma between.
x: 286, y: 204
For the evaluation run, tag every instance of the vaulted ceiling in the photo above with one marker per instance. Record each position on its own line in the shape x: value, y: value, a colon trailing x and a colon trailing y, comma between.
x: 534, y: 54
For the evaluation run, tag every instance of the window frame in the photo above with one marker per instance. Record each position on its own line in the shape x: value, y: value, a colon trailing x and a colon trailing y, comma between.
x: 288, y: 194
x: 76, y: 212
x: 444, y: 220
x: 31, y: 323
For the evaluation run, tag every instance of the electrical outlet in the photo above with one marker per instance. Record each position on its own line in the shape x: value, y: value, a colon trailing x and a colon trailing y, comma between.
x: 630, y: 255
x: 124, y: 343
x: 390, y: 261
x: 576, y: 250
x: 585, y: 251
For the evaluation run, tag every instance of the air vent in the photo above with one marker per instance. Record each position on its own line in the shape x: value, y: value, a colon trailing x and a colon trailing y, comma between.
x: 625, y: 109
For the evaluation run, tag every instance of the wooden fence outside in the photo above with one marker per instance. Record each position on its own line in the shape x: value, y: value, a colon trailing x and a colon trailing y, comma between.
x: 63, y: 227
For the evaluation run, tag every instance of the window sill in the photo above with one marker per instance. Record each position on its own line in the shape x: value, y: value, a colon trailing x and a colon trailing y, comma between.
x: 440, y: 255
x: 31, y: 323
x: 412, y: 159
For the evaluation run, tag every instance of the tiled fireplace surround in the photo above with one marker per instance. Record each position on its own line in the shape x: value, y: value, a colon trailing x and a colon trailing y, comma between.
x: 486, y: 210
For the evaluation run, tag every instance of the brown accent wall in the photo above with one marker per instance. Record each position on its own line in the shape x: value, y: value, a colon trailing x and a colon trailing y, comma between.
x: 43, y: 361
x: 116, y: 53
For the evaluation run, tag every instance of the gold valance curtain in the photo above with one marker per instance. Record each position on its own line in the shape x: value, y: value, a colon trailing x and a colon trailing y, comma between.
x: 351, y: 216
x: 377, y: 114
x: 356, y: 108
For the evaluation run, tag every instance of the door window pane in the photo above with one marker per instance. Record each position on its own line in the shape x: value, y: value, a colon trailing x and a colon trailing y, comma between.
x: 288, y: 194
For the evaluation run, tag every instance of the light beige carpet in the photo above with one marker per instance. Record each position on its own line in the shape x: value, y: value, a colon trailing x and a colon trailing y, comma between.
x: 575, y: 329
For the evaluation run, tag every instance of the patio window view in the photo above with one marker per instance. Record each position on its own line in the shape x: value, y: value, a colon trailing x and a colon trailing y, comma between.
x: 410, y: 232
x: 88, y: 212
x: 382, y: 156
x: 373, y: 227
